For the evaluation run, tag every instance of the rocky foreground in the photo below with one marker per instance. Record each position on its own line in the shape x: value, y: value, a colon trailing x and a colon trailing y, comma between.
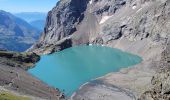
x: 97, y: 90
x: 15, y: 79
x: 160, y: 89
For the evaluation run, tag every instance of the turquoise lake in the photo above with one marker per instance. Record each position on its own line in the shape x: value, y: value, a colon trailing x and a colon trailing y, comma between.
x: 72, y: 67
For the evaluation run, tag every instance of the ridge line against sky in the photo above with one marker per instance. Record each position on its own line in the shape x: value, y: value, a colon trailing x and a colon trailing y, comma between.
x: 17, y: 6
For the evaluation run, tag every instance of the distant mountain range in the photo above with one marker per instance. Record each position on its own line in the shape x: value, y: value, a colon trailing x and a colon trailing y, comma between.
x: 36, y: 19
x: 39, y: 24
x: 31, y: 16
x: 15, y: 33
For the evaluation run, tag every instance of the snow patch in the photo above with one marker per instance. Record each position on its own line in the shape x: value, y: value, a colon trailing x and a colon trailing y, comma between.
x: 104, y: 19
x: 134, y: 7
x: 91, y: 1
x: 90, y: 44
x: 139, y: 10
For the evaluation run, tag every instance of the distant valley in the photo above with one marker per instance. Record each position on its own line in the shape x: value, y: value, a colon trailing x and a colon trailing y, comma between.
x: 39, y: 24
x: 36, y: 19
x: 15, y: 33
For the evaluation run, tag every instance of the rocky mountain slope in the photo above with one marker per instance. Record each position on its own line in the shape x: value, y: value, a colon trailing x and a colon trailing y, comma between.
x: 105, y: 22
x: 160, y: 89
x: 15, y: 33
x: 14, y: 78
x: 141, y: 27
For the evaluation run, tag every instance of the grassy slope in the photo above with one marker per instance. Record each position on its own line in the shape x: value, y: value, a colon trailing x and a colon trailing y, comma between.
x: 9, y: 96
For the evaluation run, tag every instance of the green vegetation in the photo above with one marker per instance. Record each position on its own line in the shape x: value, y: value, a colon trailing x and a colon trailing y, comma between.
x: 9, y: 96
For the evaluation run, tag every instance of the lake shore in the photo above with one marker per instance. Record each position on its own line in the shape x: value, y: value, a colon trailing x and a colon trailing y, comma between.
x: 106, y: 91
x: 136, y: 79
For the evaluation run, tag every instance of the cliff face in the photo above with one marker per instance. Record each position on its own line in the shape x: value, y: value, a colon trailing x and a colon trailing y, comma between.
x: 138, y: 26
x: 105, y: 22
x: 77, y: 20
x: 63, y: 19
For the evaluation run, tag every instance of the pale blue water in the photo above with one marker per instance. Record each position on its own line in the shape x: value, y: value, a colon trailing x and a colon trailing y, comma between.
x: 70, y: 68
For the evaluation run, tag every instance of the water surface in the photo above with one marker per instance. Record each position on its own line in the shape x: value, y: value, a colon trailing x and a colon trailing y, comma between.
x: 70, y: 68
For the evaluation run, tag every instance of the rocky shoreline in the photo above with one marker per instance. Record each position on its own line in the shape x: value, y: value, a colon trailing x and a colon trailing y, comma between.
x: 106, y: 91
x: 144, y: 81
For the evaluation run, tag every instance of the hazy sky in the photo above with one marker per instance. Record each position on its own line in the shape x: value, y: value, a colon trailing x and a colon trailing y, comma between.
x: 27, y: 5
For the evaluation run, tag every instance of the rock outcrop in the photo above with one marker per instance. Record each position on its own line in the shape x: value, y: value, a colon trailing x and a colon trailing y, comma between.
x: 15, y: 78
x: 160, y: 89
x: 62, y: 22
x: 23, y: 60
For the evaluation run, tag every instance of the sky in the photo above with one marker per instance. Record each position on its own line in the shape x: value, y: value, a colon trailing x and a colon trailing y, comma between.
x: 16, y: 6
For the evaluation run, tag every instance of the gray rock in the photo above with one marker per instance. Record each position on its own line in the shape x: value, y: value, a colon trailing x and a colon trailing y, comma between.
x: 161, y: 81
x: 77, y: 17
x: 132, y: 19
